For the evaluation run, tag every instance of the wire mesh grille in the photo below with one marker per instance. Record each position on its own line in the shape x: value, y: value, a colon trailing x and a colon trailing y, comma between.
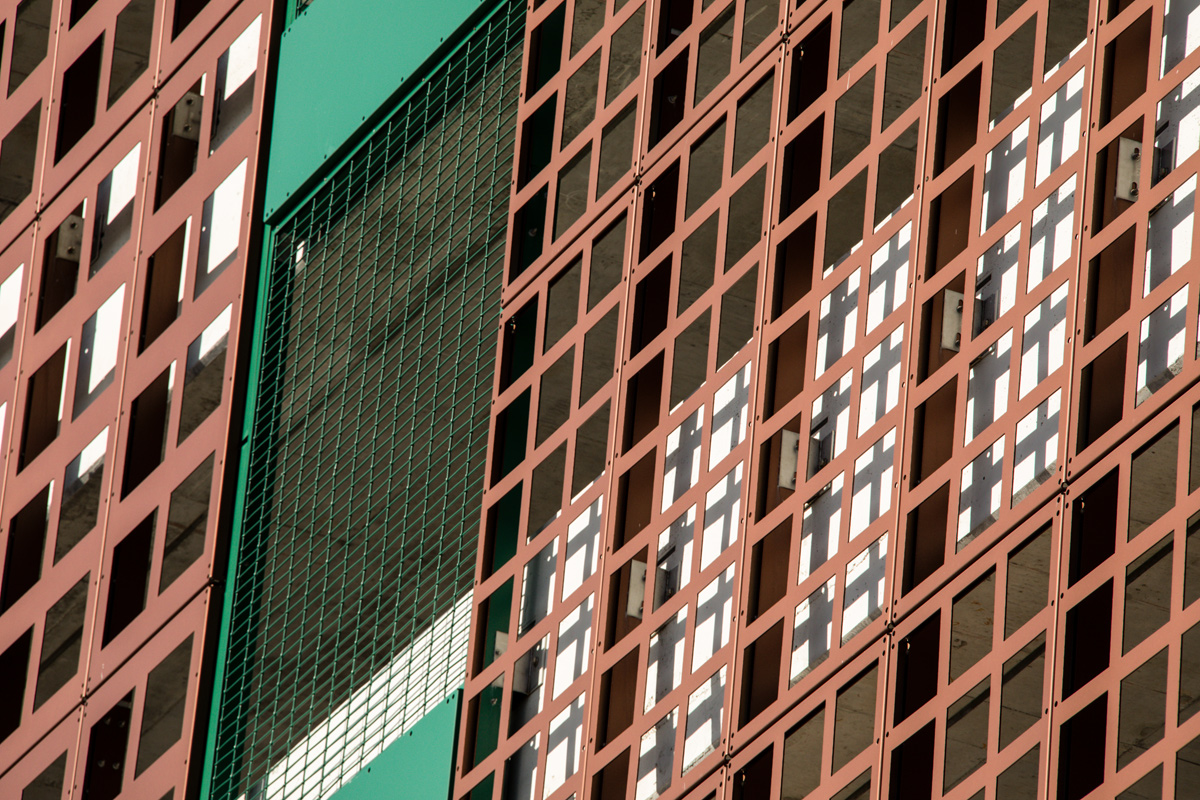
x: 370, y: 427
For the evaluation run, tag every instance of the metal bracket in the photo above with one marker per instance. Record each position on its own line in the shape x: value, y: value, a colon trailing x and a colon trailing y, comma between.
x: 70, y: 239
x: 1129, y: 161
x: 185, y: 120
x: 952, y: 317
x: 789, y: 458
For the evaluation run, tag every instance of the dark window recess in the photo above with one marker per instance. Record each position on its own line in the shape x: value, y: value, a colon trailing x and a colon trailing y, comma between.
x: 528, y: 234
x: 162, y: 715
x: 187, y: 523
x: 847, y: 209
x: 971, y: 624
x: 80, y: 503
x: 1101, y: 402
x: 230, y: 108
x: 1093, y: 527
x: 635, y: 499
x: 609, y: 782
x: 854, y: 720
x: 14, y: 666
x: 42, y: 412
x: 810, y: 69
x: 18, y: 156
x: 698, y: 263
x: 164, y: 274
x: 905, y: 75
x: 1012, y: 70
x: 618, y: 697
x: 754, y: 780
x: 537, y: 141
x: 179, y: 144
x: 794, y: 259
x: 802, y: 750
x: 131, y: 47
x: 80, y: 90
x: 108, y: 742
x: 503, y: 532
x: 554, y: 396
x: 897, y: 174
x: 60, y: 266
x: 925, y: 542
x: 1152, y: 480
x: 571, y: 196
x: 78, y: 9
x: 912, y: 766
x: 545, y: 49
x: 31, y: 37
x: 769, y: 570
x: 802, y: 167
x: 1066, y: 27
x: 546, y: 490
x: 643, y: 397
x: 1081, y: 758
x: 689, y: 366
x: 1191, y: 572
x: 1126, y: 59
x: 492, y: 624
x: 62, y: 641
x: 669, y: 98
x: 129, y: 579
x: 624, y: 54
x: 483, y: 727
x: 852, y: 121
x: 149, y: 415
x: 918, y: 667
x: 624, y: 609
x: 860, y: 32
x: 587, y: 18
x: 562, y: 304
x: 203, y: 379
x: 1021, y: 779
x: 736, y: 326
x: 949, y: 223
x: 1021, y: 688
x: 753, y: 127
x: 1028, y: 582
x: 1089, y: 628
x: 599, y: 352
x: 714, y: 54
x: 608, y: 262
x: 591, y: 448
x: 511, y: 437
x: 1149, y: 785
x: 759, y: 19
x: 786, y: 367
x: 579, y: 108
x: 49, y: 784
x: 967, y: 734
x: 963, y: 31
x: 659, y: 210
x: 616, y: 149
x: 958, y: 121
x: 744, y: 225
x: 1147, y: 594
x: 518, y: 343
x: 26, y: 547
x: 1189, y: 675
x: 1143, y: 709
x: 650, y: 306
x: 111, y: 231
x: 674, y: 17
x: 706, y: 168
x: 933, y: 432
x: 760, y: 675
x: 185, y: 12
x: 1110, y: 280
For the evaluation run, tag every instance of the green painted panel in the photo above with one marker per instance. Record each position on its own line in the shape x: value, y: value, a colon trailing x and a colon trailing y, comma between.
x: 339, y: 63
x: 418, y: 764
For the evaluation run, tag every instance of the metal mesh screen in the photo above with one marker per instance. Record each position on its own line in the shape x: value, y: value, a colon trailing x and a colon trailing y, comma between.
x: 370, y: 426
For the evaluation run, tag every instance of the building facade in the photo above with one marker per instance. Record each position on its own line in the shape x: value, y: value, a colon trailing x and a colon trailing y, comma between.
x: 129, y: 135
x: 844, y: 421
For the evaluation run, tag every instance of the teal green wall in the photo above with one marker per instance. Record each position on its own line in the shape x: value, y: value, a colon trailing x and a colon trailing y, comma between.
x: 418, y: 764
x: 340, y: 62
